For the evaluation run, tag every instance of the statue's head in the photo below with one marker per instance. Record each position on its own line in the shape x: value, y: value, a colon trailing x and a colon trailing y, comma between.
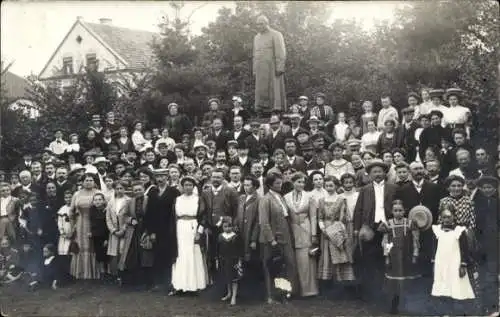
x: 262, y: 23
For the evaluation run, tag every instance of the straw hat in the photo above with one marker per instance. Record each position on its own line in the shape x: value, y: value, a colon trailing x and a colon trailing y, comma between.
x: 421, y: 216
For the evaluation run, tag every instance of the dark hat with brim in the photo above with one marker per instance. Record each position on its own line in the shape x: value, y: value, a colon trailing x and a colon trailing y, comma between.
x: 421, y: 216
x: 375, y: 163
x: 414, y: 95
x: 408, y: 110
x: 487, y: 180
x: 320, y: 95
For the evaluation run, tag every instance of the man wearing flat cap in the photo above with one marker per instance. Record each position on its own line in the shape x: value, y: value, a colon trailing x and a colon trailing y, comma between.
x: 269, y: 57
x: 373, y: 207
x: 96, y: 124
x: 304, y: 109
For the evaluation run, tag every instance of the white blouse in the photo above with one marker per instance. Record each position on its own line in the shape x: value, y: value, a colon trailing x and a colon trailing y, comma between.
x: 456, y: 115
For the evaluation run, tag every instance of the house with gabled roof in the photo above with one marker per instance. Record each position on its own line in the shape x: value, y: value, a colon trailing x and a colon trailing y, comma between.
x: 101, y: 46
x: 17, y: 96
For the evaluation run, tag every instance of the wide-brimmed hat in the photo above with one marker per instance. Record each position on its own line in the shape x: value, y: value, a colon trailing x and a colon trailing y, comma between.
x: 453, y: 92
x: 320, y: 95
x: 92, y: 152
x: 414, y: 95
x: 237, y: 98
x: 366, y: 233
x: 408, y: 110
x: 303, y: 98
x: 198, y: 144
x: 76, y: 168
x: 101, y: 159
x: 487, y: 180
x: 436, y: 93
x: 172, y: 104
x: 374, y: 163
x: 160, y: 171
x: 96, y: 117
x: 313, y: 119
x: 421, y: 216
x: 294, y: 116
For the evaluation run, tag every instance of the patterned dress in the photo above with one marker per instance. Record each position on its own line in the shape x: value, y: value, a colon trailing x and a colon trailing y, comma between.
x: 336, y: 249
x: 83, y: 264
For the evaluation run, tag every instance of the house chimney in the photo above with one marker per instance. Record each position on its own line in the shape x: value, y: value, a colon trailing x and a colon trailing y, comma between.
x: 106, y: 21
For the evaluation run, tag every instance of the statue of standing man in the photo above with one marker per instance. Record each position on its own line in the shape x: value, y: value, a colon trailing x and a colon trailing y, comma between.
x: 269, y: 56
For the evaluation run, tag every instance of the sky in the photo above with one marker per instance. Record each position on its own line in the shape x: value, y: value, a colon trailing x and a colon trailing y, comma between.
x: 31, y: 31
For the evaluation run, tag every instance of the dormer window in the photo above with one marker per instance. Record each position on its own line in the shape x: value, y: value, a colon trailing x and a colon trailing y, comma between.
x: 68, y: 65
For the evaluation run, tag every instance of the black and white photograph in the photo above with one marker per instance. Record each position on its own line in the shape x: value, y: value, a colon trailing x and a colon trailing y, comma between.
x: 250, y: 158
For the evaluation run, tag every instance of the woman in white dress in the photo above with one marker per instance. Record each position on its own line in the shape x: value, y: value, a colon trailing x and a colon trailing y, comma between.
x: 189, y: 272
x: 370, y: 138
x: 451, y: 280
x: 457, y: 116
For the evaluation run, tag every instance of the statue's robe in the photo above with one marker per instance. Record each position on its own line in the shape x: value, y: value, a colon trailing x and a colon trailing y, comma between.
x: 269, y: 57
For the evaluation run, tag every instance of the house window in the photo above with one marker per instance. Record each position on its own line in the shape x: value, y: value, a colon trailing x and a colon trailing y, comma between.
x: 68, y: 65
x: 91, y: 62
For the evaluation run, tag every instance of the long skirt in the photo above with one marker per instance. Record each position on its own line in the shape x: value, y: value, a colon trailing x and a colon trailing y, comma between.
x: 306, y: 268
x: 189, y: 272
x: 84, y: 264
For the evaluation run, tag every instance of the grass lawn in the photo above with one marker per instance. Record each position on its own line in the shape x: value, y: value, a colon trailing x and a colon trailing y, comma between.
x: 105, y: 300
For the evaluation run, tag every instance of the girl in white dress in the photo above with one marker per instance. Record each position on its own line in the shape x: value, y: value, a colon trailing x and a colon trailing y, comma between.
x: 189, y: 272
x: 450, y: 262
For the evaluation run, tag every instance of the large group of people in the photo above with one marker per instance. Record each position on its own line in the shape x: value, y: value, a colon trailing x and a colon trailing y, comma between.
x: 306, y: 200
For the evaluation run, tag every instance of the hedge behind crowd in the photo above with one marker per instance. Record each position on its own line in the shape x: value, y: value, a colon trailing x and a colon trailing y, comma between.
x: 429, y: 44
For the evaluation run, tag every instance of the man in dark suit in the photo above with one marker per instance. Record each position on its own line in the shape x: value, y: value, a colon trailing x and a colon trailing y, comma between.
x: 161, y: 201
x: 313, y: 163
x: 218, y: 134
x: 254, y: 140
x: 62, y: 183
x: 264, y: 159
x: 373, y: 207
x: 238, y: 133
x: 420, y: 191
x: 243, y: 160
x: 295, y: 127
x: 25, y: 164
x: 257, y: 171
x: 221, y: 200
x: 407, y: 133
x: 247, y: 218
x: 235, y: 177
x: 277, y: 135
x: 297, y: 162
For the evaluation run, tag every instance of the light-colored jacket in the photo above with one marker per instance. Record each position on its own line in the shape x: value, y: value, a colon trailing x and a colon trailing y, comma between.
x: 116, y: 225
x: 66, y: 230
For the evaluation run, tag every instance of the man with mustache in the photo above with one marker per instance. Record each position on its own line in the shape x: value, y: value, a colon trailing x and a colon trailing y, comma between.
x: 420, y: 191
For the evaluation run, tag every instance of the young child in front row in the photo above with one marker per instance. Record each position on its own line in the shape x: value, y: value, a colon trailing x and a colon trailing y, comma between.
x: 231, y: 254
x: 451, y: 259
x: 401, y: 247
x: 50, y: 273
